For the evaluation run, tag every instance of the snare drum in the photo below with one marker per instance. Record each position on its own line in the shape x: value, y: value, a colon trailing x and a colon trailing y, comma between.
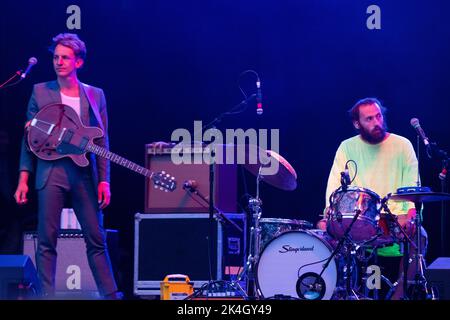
x: 273, y: 227
x: 343, y: 206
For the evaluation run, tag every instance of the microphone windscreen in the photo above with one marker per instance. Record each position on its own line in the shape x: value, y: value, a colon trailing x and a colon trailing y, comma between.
x: 415, y: 122
x: 32, y: 60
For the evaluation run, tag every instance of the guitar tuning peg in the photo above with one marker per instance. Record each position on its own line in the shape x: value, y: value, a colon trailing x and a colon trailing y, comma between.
x: 163, y: 172
x: 156, y: 187
x: 166, y: 190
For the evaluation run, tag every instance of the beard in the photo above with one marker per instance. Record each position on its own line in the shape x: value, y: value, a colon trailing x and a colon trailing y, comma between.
x: 375, y: 136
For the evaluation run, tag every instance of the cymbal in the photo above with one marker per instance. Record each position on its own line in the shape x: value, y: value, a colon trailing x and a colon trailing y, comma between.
x: 272, y: 167
x: 421, y: 196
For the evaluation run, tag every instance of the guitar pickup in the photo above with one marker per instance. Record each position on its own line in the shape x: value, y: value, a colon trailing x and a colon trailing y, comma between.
x: 66, y: 135
x: 71, y: 143
x: 69, y: 137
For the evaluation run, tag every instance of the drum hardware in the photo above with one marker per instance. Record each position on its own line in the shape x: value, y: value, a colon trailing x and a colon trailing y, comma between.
x: 365, y: 276
x: 284, y: 179
x: 419, y: 287
x: 406, y: 243
x: 254, y: 205
x: 351, y: 248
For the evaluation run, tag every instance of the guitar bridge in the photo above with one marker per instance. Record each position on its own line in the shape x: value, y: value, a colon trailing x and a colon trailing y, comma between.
x: 35, y: 123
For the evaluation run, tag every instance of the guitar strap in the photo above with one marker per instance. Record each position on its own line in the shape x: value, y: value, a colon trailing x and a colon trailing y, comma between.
x: 90, y: 96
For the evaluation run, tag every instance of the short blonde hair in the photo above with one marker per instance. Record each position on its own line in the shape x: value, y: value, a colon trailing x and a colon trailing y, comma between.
x: 72, y: 41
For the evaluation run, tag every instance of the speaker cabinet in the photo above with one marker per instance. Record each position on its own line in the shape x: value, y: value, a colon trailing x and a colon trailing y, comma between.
x: 18, y: 278
x: 73, y: 278
x: 172, y: 243
x: 181, y: 200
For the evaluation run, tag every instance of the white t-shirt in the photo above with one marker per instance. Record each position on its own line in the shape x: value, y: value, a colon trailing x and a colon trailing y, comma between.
x: 73, y: 102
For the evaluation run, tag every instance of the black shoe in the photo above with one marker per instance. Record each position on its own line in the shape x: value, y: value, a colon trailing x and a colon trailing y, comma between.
x: 117, y: 295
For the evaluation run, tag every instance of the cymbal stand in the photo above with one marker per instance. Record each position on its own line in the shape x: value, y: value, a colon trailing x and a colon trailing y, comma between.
x: 419, y: 289
x: 406, y: 243
x: 249, y: 270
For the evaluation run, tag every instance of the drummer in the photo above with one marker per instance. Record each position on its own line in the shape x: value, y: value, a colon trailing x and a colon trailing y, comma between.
x: 385, y: 162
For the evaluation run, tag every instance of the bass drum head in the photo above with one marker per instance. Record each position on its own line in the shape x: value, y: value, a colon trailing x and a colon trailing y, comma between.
x: 290, y: 266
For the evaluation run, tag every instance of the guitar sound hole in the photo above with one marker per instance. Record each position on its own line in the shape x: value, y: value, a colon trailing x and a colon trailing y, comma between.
x: 49, y: 153
x: 35, y: 142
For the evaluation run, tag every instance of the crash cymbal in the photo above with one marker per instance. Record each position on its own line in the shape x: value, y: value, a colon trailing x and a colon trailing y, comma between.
x: 421, y: 196
x: 272, y: 167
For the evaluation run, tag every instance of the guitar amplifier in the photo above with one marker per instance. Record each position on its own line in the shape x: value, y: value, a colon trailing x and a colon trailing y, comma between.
x: 181, y: 200
x: 73, y: 279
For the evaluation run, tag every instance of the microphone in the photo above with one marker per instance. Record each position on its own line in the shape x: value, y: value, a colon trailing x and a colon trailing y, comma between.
x: 190, y: 184
x: 345, y: 177
x: 259, y: 109
x: 31, y: 62
x: 416, y: 125
x: 443, y: 174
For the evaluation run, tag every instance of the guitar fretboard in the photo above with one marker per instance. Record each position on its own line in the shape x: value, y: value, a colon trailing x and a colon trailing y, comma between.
x: 102, y: 152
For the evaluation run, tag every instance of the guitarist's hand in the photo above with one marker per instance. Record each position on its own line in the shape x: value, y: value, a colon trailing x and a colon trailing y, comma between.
x: 21, y: 193
x: 104, y: 194
x: 22, y: 188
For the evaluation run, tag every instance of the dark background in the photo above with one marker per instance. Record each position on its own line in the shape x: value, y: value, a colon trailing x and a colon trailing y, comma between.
x: 164, y: 64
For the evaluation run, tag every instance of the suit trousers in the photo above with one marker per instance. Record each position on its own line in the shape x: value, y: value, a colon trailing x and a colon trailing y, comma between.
x: 68, y: 182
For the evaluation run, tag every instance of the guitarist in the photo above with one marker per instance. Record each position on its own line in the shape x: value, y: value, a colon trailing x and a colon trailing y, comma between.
x: 62, y: 180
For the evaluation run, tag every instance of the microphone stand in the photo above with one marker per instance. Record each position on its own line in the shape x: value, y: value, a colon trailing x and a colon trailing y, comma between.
x: 346, y: 239
x: 443, y: 179
x: 219, y: 214
x: 17, y: 73
x: 235, y: 110
x: 444, y: 157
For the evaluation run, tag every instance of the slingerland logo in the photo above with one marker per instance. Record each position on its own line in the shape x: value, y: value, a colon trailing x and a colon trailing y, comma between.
x: 287, y: 248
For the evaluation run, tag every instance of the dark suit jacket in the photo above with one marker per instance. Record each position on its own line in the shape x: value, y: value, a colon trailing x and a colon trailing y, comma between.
x: 92, y: 113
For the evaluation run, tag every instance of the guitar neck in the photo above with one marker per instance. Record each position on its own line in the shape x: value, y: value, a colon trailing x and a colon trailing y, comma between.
x: 102, y: 152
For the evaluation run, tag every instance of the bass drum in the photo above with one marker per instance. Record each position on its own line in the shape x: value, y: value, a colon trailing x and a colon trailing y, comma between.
x: 291, y: 263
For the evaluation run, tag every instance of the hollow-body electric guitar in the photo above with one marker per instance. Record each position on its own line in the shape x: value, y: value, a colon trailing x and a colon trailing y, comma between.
x: 56, y: 131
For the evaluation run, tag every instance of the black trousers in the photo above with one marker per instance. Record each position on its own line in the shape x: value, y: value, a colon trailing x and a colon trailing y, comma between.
x: 70, y: 182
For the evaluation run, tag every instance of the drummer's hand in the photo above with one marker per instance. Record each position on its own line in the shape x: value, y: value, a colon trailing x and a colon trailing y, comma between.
x: 322, y: 224
x: 407, y: 221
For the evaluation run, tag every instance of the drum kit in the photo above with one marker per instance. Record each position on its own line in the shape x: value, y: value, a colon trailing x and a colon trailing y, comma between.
x: 289, y: 259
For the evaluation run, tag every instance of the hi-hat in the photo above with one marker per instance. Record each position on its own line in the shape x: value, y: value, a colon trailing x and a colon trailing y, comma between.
x: 272, y: 167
